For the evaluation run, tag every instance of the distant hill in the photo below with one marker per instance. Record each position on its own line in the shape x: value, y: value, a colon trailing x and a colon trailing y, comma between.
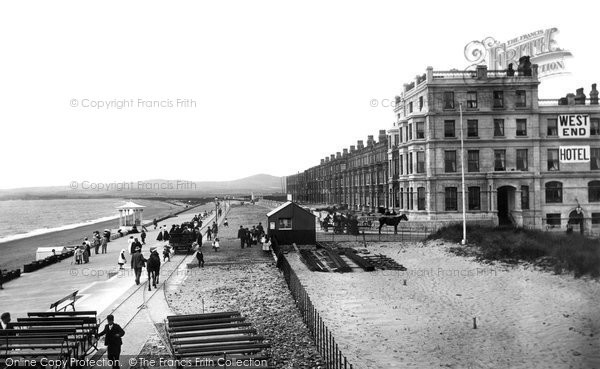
x: 259, y: 184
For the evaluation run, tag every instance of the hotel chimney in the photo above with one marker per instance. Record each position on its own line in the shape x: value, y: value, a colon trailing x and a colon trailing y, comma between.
x: 352, y: 148
x: 345, y: 152
x: 360, y: 145
x: 382, y: 135
x: 370, y: 140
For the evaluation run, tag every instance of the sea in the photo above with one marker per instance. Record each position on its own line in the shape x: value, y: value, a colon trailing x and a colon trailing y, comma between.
x: 26, y: 218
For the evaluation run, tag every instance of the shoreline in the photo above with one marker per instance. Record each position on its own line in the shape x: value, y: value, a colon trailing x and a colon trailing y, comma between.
x: 16, y: 253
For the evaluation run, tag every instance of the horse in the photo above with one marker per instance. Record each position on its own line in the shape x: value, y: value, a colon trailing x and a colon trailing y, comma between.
x: 393, y: 220
x: 153, y: 269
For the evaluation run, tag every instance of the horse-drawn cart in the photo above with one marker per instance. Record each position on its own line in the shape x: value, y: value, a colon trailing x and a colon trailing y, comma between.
x: 182, y: 242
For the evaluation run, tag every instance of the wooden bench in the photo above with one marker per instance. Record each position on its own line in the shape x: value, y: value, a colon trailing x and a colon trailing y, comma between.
x: 72, y: 297
x: 197, y: 338
x: 83, y: 329
x: 52, y: 346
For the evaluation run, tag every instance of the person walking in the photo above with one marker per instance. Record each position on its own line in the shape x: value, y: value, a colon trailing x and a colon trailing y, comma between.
x: 208, y: 233
x: 112, y: 341
x: 242, y: 236
x: 200, y: 257
x: 130, y: 245
x: 166, y: 235
x: 96, y: 243
x: 225, y: 223
x: 103, y: 244
x: 122, y: 259
x: 137, y: 263
x: 143, y: 237
x: 155, y: 223
x: 88, y: 246
x: 78, y: 255
x: 86, y: 253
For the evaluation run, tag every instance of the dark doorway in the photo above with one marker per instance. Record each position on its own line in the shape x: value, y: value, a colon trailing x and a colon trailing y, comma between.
x: 506, y: 203
x: 576, y: 220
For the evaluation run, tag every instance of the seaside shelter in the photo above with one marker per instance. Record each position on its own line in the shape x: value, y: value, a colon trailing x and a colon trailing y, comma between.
x: 130, y: 214
x: 290, y: 223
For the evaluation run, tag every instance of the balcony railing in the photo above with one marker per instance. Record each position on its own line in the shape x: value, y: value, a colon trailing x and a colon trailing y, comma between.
x: 561, y: 102
x: 448, y: 74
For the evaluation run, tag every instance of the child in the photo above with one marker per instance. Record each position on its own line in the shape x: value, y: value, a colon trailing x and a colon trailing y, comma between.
x: 166, y: 253
x: 200, y: 257
x: 122, y: 259
x: 216, y: 244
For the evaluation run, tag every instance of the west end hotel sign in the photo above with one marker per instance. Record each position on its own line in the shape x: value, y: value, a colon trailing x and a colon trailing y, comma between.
x: 574, y: 126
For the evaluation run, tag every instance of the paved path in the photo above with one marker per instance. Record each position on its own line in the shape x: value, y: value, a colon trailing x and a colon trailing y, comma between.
x: 99, y: 282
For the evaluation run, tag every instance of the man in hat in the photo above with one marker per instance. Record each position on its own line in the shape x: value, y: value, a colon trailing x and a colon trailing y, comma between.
x: 137, y: 263
x: 242, y: 235
x: 112, y: 341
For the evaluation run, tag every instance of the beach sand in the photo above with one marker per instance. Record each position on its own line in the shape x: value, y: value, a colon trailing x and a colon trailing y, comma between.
x: 526, y: 318
x: 14, y: 254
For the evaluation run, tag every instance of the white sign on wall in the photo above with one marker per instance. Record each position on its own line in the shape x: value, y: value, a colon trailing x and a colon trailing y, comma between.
x: 574, y: 154
x: 574, y: 126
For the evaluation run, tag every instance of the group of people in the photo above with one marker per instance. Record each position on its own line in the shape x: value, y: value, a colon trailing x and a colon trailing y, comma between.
x: 98, y: 243
x: 254, y: 236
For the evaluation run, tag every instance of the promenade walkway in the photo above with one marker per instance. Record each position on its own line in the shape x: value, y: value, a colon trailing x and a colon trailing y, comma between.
x: 99, y: 282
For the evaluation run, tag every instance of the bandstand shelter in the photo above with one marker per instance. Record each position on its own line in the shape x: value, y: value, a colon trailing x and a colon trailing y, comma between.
x: 130, y: 214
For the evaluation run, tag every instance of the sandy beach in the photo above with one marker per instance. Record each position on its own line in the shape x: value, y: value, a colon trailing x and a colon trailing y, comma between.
x: 18, y: 252
x: 526, y: 318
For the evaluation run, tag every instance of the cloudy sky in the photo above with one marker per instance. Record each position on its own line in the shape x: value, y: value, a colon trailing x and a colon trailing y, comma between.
x: 276, y: 85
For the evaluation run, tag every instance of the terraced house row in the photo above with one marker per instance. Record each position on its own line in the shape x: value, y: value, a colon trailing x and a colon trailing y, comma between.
x: 527, y: 161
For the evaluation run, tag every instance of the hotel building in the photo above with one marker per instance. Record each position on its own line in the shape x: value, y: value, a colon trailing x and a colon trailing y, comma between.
x: 527, y: 161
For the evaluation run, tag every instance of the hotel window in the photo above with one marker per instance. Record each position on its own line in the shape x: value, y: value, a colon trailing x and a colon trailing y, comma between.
x: 402, y: 198
x: 522, y: 160
x: 451, y: 198
x: 410, y: 107
x: 594, y: 191
x: 595, y: 218
x: 410, y: 131
x: 473, y: 160
x: 401, y: 161
x: 449, y: 130
x: 552, y: 128
x: 420, y: 103
x: 554, y: 192
x: 498, y: 99
x: 521, y: 99
x: 474, y: 198
x: 472, y: 99
x: 472, y: 128
x: 448, y: 100
x: 553, y: 163
x: 595, y: 158
x: 525, y: 197
x: 420, y: 130
x: 498, y: 127
x: 420, y: 162
x: 553, y: 219
x: 595, y: 127
x: 521, y: 127
x: 400, y: 135
x: 285, y: 223
x: 421, y: 198
x: 499, y: 160
x: 409, y: 198
x: 410, y: 163
x: 450, y: 161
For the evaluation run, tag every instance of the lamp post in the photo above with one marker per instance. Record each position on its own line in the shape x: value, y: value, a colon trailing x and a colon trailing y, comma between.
x: 462, y: 173
x: 216, y: 210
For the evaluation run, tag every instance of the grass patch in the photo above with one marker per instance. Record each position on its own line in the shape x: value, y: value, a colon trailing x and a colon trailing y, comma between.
x: 571, y: 253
